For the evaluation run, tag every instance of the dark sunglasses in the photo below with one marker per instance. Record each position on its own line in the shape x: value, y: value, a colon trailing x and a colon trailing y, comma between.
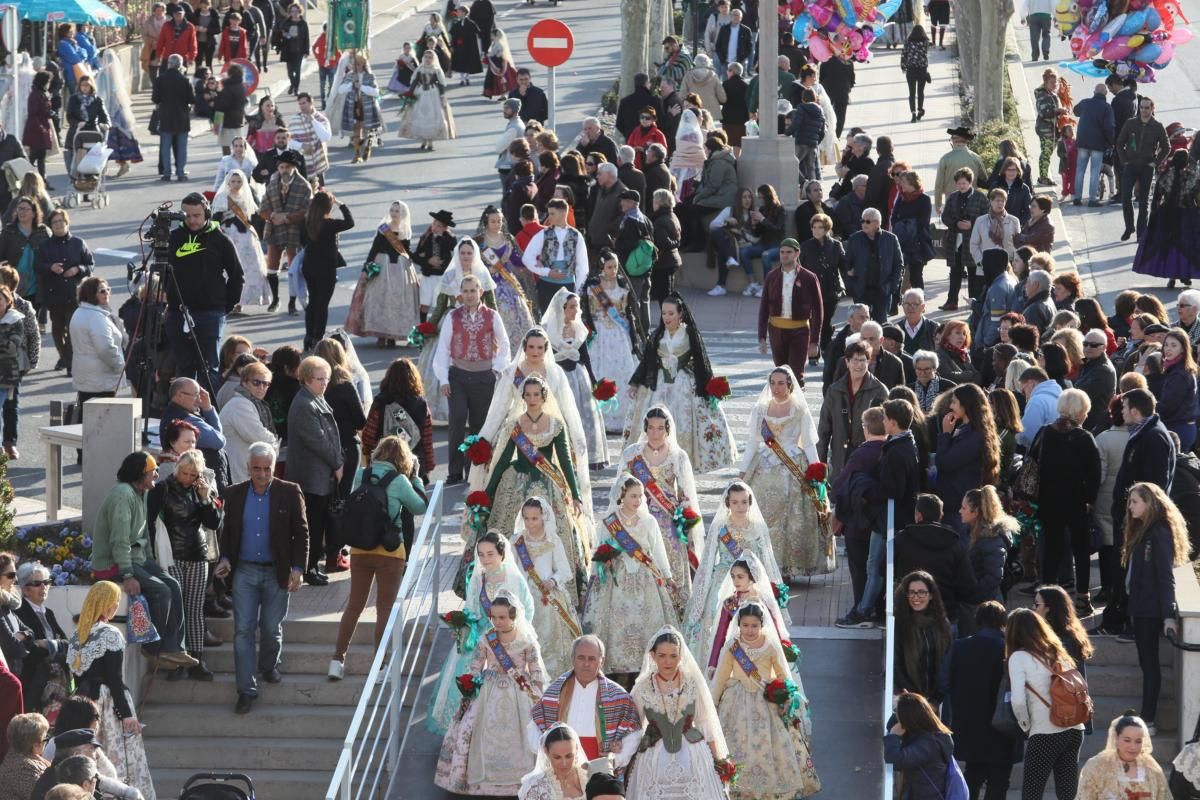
x: 35, y: 584
x: 259, y: 382
x: 1093, y: 344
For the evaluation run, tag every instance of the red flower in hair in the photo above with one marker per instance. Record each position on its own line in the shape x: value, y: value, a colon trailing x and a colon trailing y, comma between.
x: 817, y: 471
x: 718, y: 387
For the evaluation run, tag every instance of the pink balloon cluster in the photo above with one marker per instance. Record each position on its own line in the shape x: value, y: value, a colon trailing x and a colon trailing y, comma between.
x: 1129, y: 38
x: 842, y: 28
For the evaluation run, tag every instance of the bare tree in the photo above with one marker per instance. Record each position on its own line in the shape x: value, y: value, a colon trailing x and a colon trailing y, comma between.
x: 635, y: 30
x: 967, y: 19
x: 989, y: 76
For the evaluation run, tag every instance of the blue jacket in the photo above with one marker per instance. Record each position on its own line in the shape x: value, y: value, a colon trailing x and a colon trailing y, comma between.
x: 891, y: 264
x: 959, y: 459
x: 1042, y: 409
x: 970, y: 680
x: 1149, y: 456
x: 807, y: 125
x: 861, y: 462
x: 1177, y: 397
x: 923, y: 759
x: 1097, y: 128
x: 1001, y: 298
x: 70, y: 54
x: 1151, y: 575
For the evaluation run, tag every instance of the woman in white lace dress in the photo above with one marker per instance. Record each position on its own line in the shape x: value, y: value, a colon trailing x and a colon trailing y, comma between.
x: 665, y: 471
x: 540, y: 553
x: 628, y: 597
x: 794, y: 506
x: 234, y: 209
x: 96, y: 657
x: 737, y: 528
x: 569, y: 340
x: 610, y: 310
x: 485, y: 751
x: 386, y: 302
x: 560, y: 773
x: 428, y: 118
x: 682, y: 739
x: 674, y: 372
x: 765, y: 738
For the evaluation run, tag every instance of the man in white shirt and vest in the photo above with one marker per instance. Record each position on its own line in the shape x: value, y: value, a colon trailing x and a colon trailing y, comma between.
x: 557, y: 255
x: 472, y: 348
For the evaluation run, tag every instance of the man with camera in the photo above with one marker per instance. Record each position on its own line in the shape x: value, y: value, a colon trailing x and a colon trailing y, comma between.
x: 204, y: 283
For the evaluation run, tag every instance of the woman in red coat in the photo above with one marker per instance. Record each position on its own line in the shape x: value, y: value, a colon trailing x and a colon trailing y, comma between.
x: 645, y: 134
x: 38, y: 136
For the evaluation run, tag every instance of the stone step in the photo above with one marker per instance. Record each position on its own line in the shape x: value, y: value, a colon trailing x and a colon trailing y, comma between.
x: 1110, y: 651
x: 1106, y: 709
x: 1123, y: 681
x: 310, y: 631
x: 239, y: 754
x: 301, y: 657
x: 165, y: 720
x: 294, y: 690
x: 268, y: 783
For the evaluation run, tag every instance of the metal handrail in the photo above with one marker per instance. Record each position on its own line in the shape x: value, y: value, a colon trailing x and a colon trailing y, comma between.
x: 370, y: 755
x: 889, y: 668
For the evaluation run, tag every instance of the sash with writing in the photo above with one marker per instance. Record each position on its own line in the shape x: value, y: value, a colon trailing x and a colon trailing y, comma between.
x: 539, y: 460
x: 393, y: 239
x: 506, y: 662
x: 531, y: 571
x: 743, y: 660
x: 631, y: 546
x: 502, y: 270
x: 798, y: 473
x: 641, y: 470
x: 726, y: 537
x: 484, y: 602
x: 609, y: 307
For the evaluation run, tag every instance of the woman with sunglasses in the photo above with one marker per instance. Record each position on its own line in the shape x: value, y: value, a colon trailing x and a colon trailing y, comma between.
x: 246, y: 419
x: 97, y: 343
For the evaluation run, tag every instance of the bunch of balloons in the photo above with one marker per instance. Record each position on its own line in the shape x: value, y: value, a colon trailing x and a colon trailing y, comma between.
x: 1127, y: 38
x: 842, y: 28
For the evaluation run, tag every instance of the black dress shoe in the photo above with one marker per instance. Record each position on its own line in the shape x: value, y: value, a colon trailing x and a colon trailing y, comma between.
x: 200, y: 672
x: 215, y: 611
x: 314, y: 578
x: 244, y: 703
x: 272, y: 675
x: 176, y: 674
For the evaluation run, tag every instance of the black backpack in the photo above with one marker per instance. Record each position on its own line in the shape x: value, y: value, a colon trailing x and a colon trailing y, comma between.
x: 364, y: 521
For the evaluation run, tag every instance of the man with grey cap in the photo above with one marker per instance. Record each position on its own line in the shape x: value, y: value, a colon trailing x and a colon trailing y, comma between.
x: 514, y: 129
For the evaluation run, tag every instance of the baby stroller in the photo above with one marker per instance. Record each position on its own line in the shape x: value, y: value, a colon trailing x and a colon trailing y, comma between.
x: 218, y: 786
x: 87, y: 169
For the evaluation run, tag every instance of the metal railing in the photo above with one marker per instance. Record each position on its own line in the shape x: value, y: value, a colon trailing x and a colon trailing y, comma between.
x: 889, y: 636
x: 369, y: 762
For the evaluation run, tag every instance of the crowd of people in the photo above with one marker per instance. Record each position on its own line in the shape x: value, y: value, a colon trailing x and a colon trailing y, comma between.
x: 1004, y: 447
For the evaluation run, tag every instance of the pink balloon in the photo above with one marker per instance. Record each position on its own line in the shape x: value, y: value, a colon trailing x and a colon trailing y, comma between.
x: 1180, y: 35
x: 818, y: 48
x: 1118, y: 49
x: 821, y: 15
x: 856, y: 40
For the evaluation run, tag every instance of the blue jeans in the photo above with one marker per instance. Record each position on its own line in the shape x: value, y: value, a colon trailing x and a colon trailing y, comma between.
x: 258, y: 605
x: 327, y: 74
x: 4, y: 394
x: 12, y: 413
x: 1084, y: 158
x: 173, y: 143
x: 875, y: 557
x: 166, y: 605
x: 207, y: 333
x: 1141, y: 175
x: 769, y: 256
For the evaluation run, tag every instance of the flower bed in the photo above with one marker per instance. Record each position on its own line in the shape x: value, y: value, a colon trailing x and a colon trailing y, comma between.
x: 62, y: 546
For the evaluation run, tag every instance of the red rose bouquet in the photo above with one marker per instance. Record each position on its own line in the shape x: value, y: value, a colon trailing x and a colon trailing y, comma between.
x: 817, y: 471
x: 783, y: 593
x: 478, y: 450
x: 426, y: 328
x: 603, y: 555
x: 479, y: 499
x: 460, y: 624
x: 727, y: 770
x: 790, y: 651
x: 604, y: 389
x: 718, y: 387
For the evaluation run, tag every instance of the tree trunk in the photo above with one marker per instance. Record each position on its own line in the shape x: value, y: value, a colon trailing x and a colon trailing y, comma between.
x: 967, y: 17
x: 635, y: 18
x: 661, y: 25
x: 989, y: 83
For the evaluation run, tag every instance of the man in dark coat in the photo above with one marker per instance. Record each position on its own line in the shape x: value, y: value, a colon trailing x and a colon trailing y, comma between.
x: 630, y: 107
x: 595, y: 140
x: 51, y: 651
x: 173, y: 95
x: 534, y: 104
x: 837, y: 76
x: 885, y: 365
x: 630, y: 175
x: 898, y: 476
x: 658, y: 176
x: 874, y: 265
x: 672, y: 110
x: 483, y: 14
x: 433, y: 254
x: 743, y: 41
x: 268, y: 162
x: 929, y: 545
x: 1124, y: 108
x: 464, y: 47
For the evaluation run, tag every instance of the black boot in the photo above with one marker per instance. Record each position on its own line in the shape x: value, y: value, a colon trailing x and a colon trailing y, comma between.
x: 273, y: 282
x: 200, y: 672
x: 291, y: 306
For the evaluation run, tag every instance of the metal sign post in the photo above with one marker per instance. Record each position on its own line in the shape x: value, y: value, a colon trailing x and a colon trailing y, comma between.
x: 550, y: 43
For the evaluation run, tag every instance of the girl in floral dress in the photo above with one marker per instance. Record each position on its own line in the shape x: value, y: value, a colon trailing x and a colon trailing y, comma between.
x: 682, y: 740
x: 628, y: 598
x: 543, y: 559
x: 497, y: 249
x: 674, y: 372
x: 560, y: 773
x: 738, y: 528
x: 485, y: 751
x: 663, y: 467
x: 769, y: 746
x: 794, y: 508
x: 495, y: 570
x: 610, y: 311
x: 386, y: 302
x: 569, y: 337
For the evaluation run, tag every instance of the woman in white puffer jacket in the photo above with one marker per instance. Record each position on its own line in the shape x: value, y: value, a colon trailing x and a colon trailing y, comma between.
x: 97, y: 343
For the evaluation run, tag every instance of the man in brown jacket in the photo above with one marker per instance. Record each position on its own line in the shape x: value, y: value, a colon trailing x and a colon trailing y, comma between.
x: 264, y: 545
x: 284, y: 207
x: 790, y: 308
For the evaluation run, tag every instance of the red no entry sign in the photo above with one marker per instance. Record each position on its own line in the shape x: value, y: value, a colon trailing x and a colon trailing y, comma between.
x: 550, y: 43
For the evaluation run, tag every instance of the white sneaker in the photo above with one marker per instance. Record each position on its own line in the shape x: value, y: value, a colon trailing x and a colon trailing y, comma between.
x: 753, y: 290
x: 731, y: 262
x: 717, y: 291
x: 337, y: 669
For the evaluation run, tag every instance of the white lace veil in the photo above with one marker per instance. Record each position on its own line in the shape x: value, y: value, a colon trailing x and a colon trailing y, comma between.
x: 500, y: 45
x: 523, y: 623
x: 689, y: 140
x: 1110, y: 746
x: 543, y: 766
x: 686, y: 477
x: 550, y: 531
x: 405, y: 231
x: 110, y: 85
x: 243, y: 197
x: 762, y: 587
x: 451, y: 280
x: 514, y: 581
x: 768, y: 629
x: 706, y: 711
x: 345, y: 66
x: 797, y: 400
x: 554, y: 321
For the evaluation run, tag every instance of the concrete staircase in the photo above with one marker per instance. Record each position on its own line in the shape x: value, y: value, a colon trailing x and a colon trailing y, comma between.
x: 289, y: 743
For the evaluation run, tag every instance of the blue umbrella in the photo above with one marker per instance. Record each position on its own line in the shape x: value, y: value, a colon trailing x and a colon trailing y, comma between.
x: 75, y: 11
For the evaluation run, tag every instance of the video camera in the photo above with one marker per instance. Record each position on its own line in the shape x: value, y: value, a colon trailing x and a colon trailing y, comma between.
x: 161, y: 220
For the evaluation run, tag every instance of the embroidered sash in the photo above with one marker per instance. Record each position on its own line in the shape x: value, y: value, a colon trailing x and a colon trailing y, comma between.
x: 506, y: 662
x: 241, y: 215
x: 518, y: 377
x: 393, y: 239
x: 807, y: 485
x: 631, y: 546
x: 484, y: 602
x: 641, y: 470
x: 743, y: 659
x: 501, y: 270
x: 609, y: 307
x: 531, y: 571
x: 544, y: 465
x: 726, y: 537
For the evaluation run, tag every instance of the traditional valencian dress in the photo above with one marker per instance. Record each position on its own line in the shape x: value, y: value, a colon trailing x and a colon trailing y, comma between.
x: 571, y: 353
x: 778, y: 453
x: 543, y: 783
x: 771, y: 751
x: 236, y: 212
x: 501, y: 75
x: 543, y: 560
x: 386, y: 302
x: 482, y: 589
x: 673, y: 373
x: 616, y: 343
x: 511, y: 300
x: 428, y: 117
x: 627, y: 598
x: 485, y: 750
